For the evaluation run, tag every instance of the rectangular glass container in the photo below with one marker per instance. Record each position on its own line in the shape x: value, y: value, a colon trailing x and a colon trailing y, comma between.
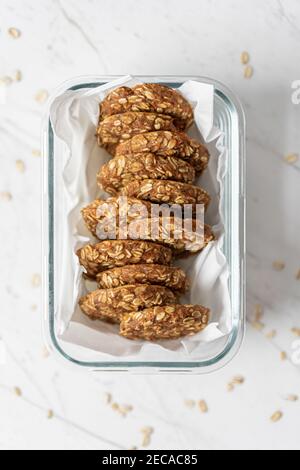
x: 229, y: 117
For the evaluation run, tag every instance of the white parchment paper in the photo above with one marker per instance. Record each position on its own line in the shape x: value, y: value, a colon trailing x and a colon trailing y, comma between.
x: 74, y: 117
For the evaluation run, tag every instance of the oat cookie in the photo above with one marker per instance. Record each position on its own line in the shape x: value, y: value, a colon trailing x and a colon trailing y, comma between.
x: 120, y: 127
x: 148, y: 97
x: 167, y: 143
x: 123, y: 169
x: 112, y: 304
x: 169, y: 276
x: 109, y: 254
x: 165, y: 322
x: 169, y: 192
x: 168, y: 230
x: 102, y: 213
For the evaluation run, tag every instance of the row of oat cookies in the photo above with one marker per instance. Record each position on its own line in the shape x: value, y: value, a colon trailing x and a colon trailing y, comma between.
x: 154, y: 162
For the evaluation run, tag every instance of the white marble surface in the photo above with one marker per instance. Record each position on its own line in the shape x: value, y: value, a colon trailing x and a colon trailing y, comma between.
x: 61, y: 39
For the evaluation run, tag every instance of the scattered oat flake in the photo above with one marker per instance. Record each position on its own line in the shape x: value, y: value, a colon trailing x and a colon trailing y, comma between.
x: 278, y: 265
x: 147, y: 430
x: 107, y: 397
x: 292, y: 398
x: 14, y: 33
x: 18, y: 391
x: 291, y: 158
x: 298, y: 275
x: 5, y: 196
x: 245, y: 58
x: 41, y: 96
x: 146, y: 440
x: 203, y: 406
x: 36, y: 280
x: 230, y: 387
x: 50, y: 414
x: 115, y: 406
x: 17, y: 75
x: 283, y: 356
x: 258, y: 312
x: 259, y: 326
x: 277, y: 416
x: 238, y: 380
x: 248, y: 72
x: 122, y: 410
x: 33, y: 307
x: 6, y: 81
x: 127, y: 408
x: 271, y: 334
x: 36, y: 153
x: 296, y: 331
x: 189, y: 403
x: 20, y: 165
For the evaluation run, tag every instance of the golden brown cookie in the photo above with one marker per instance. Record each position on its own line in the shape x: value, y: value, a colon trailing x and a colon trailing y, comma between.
x: 103, y: 215
x: 122, y: 170
x: 109, y: 254
x: 120, y: 127
x: 165, y: 322
x: 112, y: 304
x: 180, y: 235
x: 169, y: 276
x: 167, y: 143
x: 148, y: 97
x: 170, y: 192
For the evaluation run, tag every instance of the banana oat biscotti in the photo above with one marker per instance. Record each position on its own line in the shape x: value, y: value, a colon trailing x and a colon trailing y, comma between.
x: 169, y: 276
x: 113, y: 253
x: 165, y: 322
x: 167, y: 143
x: 148, y: 97
x: 112, y: 304
x: 122, y: 170
x: 120, y: 127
